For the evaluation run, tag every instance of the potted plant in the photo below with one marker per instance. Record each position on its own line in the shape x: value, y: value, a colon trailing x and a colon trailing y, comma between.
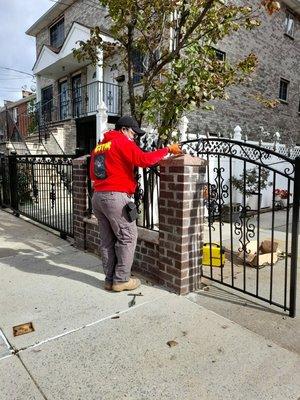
x: 248, y: 184
x: 281, y: 196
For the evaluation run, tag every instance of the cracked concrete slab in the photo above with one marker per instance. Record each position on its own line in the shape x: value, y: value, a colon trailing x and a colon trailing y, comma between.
x: 129, y: 358
x: 60, y: 291
x: 15, y: 382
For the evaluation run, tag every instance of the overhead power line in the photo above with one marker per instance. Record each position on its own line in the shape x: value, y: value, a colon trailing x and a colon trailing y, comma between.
x: 16, y: 70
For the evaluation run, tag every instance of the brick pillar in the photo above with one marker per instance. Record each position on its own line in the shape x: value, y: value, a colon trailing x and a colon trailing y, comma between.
x: 79, y: 200
x: 181, y: 222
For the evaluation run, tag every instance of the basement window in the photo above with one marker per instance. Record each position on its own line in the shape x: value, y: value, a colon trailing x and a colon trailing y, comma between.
x: 57, y: 33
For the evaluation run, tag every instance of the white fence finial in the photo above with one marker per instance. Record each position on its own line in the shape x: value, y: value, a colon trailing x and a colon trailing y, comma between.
x: 182, y: 127
x: 237, y: 133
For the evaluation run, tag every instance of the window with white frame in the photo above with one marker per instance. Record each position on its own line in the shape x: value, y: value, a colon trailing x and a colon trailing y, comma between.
x: 57, y: 33
x: 283, y: 89
x: 289, y: 24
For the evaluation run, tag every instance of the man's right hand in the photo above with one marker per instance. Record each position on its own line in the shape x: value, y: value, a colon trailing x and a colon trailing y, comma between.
x: 175, y: 149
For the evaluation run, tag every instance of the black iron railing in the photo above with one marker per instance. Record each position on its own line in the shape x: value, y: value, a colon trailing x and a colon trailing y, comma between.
x: 39, y: 187
x: 146, y: 196
x: 258, y: 234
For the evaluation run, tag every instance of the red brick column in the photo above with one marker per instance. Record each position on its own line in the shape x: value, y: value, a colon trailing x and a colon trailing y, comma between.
x: 79, y: 200
x: 181, y: 222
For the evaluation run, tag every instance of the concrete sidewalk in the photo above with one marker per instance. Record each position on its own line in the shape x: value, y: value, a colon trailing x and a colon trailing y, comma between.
x: 89, y: 344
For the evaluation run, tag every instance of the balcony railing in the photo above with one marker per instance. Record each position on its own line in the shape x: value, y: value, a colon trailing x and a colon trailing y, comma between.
x: 81, y: 102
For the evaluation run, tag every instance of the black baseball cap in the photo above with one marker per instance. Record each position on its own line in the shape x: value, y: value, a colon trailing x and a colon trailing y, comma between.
x: 129, y: 122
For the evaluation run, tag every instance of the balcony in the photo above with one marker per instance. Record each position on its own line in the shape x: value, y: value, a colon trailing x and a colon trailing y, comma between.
x: 82, y: 102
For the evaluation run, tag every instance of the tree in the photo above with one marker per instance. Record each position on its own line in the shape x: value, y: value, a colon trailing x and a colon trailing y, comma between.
x: 176, y: 39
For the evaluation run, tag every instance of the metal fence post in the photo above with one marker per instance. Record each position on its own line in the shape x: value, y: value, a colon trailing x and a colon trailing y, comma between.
x: 295, y: 233
x: 13, y: 174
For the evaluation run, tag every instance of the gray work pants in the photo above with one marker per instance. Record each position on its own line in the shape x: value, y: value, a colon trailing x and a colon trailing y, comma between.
x: 118, y: 236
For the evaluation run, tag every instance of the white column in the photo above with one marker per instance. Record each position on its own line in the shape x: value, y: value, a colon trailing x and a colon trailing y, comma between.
x: 101, y: 114
x: 101, y: 121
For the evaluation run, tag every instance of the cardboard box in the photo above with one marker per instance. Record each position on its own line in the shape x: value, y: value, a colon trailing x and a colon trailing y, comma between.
x: 266, y: 246
x: 264, y: 257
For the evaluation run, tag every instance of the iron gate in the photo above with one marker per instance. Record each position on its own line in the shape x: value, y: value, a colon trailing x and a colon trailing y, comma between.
x: 251, y: 209
x: 40, y: 188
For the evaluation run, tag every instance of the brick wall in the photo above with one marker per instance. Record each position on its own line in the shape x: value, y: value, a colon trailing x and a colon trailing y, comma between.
x: 278, y: 57
x: 170, y: 256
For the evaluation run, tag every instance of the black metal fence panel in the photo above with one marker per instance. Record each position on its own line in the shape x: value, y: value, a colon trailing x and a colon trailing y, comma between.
x: 145, y: 197
x: 40, y: 188
x: 251, y: 208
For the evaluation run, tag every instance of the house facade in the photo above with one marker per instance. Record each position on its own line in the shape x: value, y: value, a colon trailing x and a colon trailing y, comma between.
x: 71, y: 94
x: 17, y: 119
x: 276, y: 43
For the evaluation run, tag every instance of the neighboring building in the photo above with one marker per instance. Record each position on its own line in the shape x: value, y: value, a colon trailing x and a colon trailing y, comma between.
x: 277, y: 45
x: 17, y: 119
x: 70, y: 94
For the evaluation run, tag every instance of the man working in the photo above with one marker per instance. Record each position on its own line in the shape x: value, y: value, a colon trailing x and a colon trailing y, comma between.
x: 112, y: 171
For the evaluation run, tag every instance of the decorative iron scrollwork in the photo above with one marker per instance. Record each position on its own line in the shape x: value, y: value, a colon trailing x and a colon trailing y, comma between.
x: 215, y: 198
x: 241, y: 150
x: 244, y: 228
x: 139, y: 192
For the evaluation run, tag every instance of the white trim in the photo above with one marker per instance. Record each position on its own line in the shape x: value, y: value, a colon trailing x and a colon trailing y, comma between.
x: 64, y: 79
x: 78, y: 72
x: 56, y: 21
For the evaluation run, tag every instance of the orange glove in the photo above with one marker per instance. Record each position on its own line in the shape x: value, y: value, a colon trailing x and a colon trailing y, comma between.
x: 175, y: 149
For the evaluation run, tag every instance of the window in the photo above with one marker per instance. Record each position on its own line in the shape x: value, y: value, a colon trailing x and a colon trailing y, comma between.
x: 138, y: 66
x: 289, y: 24
x: 57, y: 33
x: 283, y: 90
x: 220, y: 55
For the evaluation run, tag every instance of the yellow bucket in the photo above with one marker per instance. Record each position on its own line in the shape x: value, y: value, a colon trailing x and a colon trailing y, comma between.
x: 214, y: 257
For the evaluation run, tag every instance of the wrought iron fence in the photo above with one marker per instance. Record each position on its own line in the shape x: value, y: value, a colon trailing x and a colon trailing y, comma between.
x: 246, y: 219
x: 146, y: 196
x: 40, y: 188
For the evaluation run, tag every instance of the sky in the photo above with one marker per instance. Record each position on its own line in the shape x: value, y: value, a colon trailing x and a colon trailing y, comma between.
x: 17, y: 50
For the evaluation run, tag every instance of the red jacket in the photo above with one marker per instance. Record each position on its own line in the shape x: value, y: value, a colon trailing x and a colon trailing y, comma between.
x: 113, y: 161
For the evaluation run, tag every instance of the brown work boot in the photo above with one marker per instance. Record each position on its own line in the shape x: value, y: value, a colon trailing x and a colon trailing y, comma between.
x: 108, y: 286
x: 132, y: 284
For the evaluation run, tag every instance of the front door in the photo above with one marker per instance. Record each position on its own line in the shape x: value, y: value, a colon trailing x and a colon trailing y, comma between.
x: 77, y: 96
x: 86, y: 134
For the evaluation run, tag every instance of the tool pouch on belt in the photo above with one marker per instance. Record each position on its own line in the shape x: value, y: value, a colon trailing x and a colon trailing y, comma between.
x: 131, y: 211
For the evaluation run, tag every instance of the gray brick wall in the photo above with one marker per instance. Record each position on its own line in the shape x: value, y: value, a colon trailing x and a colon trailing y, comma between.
x: 82, y: 12
x: 279, y: 57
